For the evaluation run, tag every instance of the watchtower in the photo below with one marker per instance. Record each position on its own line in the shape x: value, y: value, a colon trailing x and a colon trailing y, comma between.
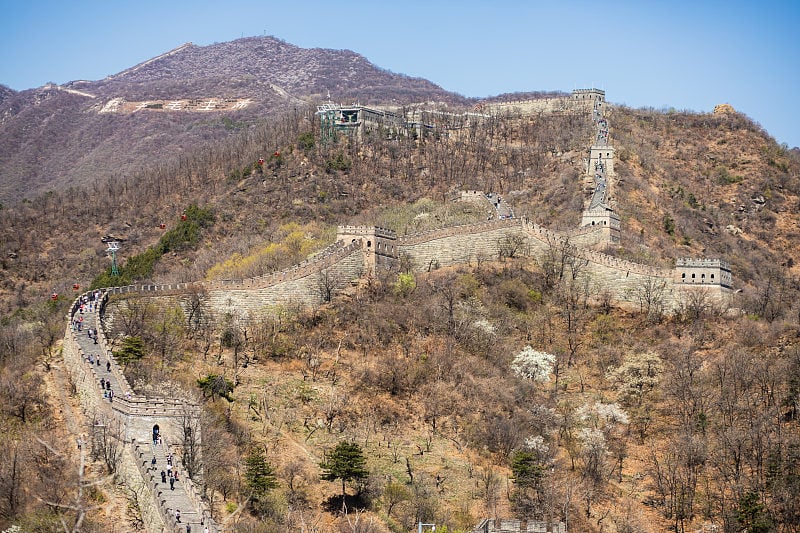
x: 708, y: 272
x: 596, y: 95
x: 603, y: 217
x: 354, y: 119
x: 377, y: 243
x: 600, y: 157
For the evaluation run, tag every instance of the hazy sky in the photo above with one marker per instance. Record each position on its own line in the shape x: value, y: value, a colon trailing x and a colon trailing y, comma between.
x: 683, y: 54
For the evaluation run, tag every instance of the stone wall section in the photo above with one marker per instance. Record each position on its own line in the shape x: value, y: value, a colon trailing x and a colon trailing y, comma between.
x: 85, y: 379
x: 154, y: 515
x: 137, y: 416
x: 304, y: 287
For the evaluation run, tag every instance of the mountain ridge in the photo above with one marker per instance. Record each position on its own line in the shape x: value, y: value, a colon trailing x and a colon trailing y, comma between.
x: 37, y: 126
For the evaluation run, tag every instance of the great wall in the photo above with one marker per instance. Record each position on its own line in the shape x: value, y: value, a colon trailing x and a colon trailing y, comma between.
x: 360, y: 252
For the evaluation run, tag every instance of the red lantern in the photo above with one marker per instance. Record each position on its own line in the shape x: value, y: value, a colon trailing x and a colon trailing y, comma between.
x: 183, y: 216
x: 261, y: 161
x: 162, y: 226
x: 276, y: 154
x: 76, y: 287
x: 54, y: 296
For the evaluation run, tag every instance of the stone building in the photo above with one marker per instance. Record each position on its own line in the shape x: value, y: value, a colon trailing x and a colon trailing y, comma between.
x: 711, y: 272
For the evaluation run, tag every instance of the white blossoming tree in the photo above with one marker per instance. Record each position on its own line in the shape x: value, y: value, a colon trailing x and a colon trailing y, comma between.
x: 534, y: 365
x: 636, y: 381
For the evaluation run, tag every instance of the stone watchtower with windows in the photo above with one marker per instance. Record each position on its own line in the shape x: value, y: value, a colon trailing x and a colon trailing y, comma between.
x: 601, y: 158
x: 605, y: 218
x: 378, y: 244
x: 591, y: 95
x: 596, y: 98
x: 709, y: 272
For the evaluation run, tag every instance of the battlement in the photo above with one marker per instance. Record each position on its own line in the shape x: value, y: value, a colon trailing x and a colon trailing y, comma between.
x: 506, y: 525
x: 467, y: 195
x: 365, y: 231
x: 353, y: 118
x: 701, y: 263
x: 601, y: 216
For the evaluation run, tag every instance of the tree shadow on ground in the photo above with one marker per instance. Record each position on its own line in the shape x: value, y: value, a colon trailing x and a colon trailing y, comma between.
x: 351, y: 503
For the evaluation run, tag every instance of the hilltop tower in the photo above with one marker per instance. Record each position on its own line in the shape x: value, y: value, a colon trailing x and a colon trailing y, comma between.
x: 354, y: 119
x: 594, y: 97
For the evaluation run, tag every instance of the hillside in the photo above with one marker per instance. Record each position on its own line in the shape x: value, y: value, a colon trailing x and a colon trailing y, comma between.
x: 55, y: 137
x: 643, y: 424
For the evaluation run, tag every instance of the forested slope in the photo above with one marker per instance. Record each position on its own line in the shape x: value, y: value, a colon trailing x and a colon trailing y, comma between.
x: 643, y: 423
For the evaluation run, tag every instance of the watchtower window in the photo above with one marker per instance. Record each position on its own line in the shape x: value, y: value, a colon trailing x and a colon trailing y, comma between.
x: 712, y: 276
x: 369, y: 245
x: 683, y: 276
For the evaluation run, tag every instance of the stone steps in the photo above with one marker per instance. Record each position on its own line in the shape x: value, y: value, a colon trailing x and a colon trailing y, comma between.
x: 168, y: 499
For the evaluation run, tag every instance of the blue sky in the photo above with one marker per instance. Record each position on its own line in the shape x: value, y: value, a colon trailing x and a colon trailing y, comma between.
x: 682, y: 54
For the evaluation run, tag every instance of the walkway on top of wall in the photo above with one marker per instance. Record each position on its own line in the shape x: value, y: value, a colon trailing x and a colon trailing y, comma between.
x: 600, y: 187
x: 501, y: 206
x: 105, y: 367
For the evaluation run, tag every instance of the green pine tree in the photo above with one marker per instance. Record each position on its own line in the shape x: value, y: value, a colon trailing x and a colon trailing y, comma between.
x: 346, y: 462
x: 132, y: 350
x: 259, y: 475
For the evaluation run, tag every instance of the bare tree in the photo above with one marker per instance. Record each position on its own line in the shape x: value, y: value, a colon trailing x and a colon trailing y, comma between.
x: 511, y: 245
x: 190, y: 442
x: 561, y: 258
x: 107, y: 442
x: 328, y: 282
x: 72, y: 512
x: 196, y: 308
x: 49, y: 328
x: 135, y: 315
x: 650, y: 294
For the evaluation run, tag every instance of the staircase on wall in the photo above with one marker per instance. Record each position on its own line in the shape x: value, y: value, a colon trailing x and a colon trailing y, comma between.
x: 91, y: 363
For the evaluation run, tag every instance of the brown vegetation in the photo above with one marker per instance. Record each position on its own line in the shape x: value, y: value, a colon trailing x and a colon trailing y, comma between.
x: 419, y: 374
